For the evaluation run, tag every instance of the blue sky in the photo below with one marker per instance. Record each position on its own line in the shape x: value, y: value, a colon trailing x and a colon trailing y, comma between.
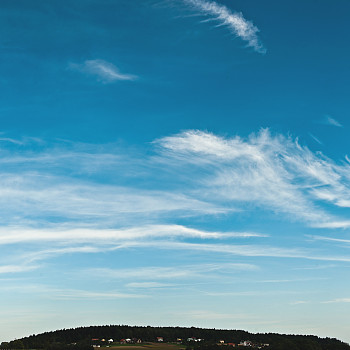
x: 175, y: 163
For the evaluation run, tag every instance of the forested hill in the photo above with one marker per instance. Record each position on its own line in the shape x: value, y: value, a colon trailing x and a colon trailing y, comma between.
x: 85, y: 337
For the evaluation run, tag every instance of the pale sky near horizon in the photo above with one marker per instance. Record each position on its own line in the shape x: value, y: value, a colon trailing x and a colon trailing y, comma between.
x: 175, y: 163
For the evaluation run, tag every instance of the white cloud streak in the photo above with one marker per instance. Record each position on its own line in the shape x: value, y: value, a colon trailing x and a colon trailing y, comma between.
x: 110, y: 236
x: 244, y: 250
x: 331, y: 121
x: 330, y: 239
x: 35, y: 197
x: 4, y: 269
x: 82, y: 294
x: 275, y: 172
x: 299, y: 302
x: 79, y: 202
x: 104, y: 71
x: 46, y: 291
x: 204, y: 174
x: 315, y: 139
x: 235, y: 21
x: 338, y: 300
x: 149, y: 285
x: 171, y: 273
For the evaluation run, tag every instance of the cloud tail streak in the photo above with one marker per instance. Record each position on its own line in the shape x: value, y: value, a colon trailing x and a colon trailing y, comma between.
x: 235, y: 21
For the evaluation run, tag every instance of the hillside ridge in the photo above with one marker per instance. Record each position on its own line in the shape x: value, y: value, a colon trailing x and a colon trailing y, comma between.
x: 109, y: 336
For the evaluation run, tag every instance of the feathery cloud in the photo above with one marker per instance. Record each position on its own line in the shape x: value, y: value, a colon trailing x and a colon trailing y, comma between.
x: 330, y: 239
x: 331, y: 121
x: 83, y: 294
x: 270, y: 171
x: 171, y: 273
x: 235, y: 21
x: 16, y: 268
x: 299, y: 302
x: 315, y: 139
x: 105, y: 72
x: 148, y: 285
x: 338, y: 300
x: 110, y: 236
x: 202, y: 174
x: 242, y: 250
x: 65, y: 208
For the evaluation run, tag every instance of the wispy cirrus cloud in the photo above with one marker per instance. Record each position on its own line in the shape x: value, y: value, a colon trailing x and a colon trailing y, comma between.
x: 202, y: 174
x: 46, y: 244
x: 331, y: 121
x: 338, y: 300
x: 46, y: 291
x: 245, y: 250
x: 148, y: 285
x: 180, y: 272
x: 315, y: 139
x: 330, y: 239
x: 70, y: 246
x: 299, y: 302
x: 234, y: 21
x: 317, y: 267
x: 79, y: 201
x: 104, y: 71
x: 4, y: 269
x: 111, y: 236
x: 274, y: 171
x: 37, y: 198
x: 85, y: 294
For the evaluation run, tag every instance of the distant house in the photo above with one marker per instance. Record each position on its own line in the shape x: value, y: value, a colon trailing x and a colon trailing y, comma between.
x: 193, y: 339
x: 246, y: 343
x: 160, y: 339
x: 110, y: 340
x: 95, y: 342
x: 221, y: 341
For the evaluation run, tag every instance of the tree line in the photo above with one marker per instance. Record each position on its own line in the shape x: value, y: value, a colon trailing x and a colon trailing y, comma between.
x: 81, y: 338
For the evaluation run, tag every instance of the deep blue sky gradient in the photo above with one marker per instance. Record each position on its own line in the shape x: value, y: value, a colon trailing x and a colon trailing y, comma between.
x: 81, y: 152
